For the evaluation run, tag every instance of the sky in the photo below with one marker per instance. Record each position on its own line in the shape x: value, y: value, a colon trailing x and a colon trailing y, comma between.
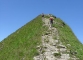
x: 16, y: 13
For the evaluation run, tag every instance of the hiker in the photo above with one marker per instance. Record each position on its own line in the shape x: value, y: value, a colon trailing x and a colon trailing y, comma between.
x: 42, y: 15
x: 51, y: 21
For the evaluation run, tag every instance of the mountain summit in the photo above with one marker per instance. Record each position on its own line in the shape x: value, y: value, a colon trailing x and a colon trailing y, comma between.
x: 37, y: 40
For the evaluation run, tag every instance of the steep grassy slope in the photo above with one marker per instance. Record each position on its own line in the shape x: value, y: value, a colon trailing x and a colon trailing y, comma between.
x: 22, y: 43
x: 68, y: 37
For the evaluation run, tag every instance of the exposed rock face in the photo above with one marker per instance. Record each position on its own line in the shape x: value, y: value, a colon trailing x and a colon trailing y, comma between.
x: 52, y: 49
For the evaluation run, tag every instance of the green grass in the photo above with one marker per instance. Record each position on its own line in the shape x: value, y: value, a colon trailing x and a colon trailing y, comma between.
x: 68, y: 37
x: 57, y: 55
x: 22, y: 43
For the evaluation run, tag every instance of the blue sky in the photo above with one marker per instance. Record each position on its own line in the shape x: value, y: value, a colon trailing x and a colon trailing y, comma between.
x: 16, y: 13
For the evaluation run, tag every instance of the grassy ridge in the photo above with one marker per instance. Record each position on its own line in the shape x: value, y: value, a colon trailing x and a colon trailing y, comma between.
x: 22, y: 43
x: 68, y: 37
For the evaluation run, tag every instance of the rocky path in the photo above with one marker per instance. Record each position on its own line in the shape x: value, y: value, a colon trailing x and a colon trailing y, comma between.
x: 52, y: 48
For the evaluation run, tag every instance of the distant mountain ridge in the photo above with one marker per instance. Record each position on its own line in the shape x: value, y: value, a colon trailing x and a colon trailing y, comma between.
x: 23, y: 44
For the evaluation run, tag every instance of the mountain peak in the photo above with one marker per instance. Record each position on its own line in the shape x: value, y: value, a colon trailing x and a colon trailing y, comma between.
x: 39, y: 40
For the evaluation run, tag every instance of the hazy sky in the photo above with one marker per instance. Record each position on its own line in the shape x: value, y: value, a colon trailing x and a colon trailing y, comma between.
x: 16, y: 13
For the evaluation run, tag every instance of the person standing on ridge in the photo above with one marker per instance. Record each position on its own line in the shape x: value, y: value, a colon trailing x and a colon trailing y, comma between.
x: 42, y: 16
x: 51, y: 21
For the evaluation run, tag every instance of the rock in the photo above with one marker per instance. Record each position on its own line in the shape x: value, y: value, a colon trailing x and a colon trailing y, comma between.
x: 61, y: 46
x: 65, y: 56
x: 68, y: 45
x: 54, y: 45
x: 63, y: 49
x: 56, y: 41
x: 38, y: 47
